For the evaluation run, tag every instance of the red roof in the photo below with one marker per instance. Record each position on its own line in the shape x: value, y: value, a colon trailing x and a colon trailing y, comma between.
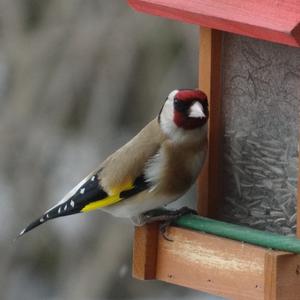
x: 273, y: 20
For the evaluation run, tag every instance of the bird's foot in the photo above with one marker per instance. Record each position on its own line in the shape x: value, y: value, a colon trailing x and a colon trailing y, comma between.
x: 166, y: 217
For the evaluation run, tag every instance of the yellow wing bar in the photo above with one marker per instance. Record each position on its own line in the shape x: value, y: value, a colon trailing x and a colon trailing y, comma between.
x: 114, y: 197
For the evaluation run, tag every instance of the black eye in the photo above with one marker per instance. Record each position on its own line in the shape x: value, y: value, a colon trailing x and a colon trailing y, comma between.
x: 180, y: 105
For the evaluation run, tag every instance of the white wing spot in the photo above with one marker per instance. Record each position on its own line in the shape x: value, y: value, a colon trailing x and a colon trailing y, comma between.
x: 42, y: 220
x: 47, y: 216
x: 93, y: 178
x: 59, y: 210
x: 82, y: 191
x: 22, y: 232
x: 66, y: 206
x: 70, y: 194
x: 72, y: 203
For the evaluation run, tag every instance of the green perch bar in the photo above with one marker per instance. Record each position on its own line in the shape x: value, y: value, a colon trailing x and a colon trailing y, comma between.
x: 240, y: 233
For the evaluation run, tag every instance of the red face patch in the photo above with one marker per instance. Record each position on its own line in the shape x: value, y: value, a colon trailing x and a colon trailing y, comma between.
x: 183, y: 100
x: 190, y: 95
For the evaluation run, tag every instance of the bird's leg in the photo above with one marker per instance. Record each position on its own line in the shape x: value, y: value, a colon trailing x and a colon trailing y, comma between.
x: 166, y: 217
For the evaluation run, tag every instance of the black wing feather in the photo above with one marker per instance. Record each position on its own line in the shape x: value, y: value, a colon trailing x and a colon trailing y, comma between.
x: 87, y: 193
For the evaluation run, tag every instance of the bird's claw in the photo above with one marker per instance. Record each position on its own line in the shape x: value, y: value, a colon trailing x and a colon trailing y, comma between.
x: 163, y: 228
x: 166, y: 217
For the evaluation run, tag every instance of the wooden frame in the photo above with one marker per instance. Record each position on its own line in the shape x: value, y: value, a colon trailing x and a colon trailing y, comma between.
x: 215, y: 265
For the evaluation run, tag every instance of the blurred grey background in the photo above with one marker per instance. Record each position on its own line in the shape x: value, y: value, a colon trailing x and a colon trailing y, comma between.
x: 77, y: 80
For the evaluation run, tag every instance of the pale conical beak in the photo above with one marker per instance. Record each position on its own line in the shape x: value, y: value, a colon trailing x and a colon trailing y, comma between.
x: 196, y: 111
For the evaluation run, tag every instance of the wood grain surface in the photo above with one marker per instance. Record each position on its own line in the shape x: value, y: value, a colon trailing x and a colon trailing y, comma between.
x: 145, y: 251
x: 216, y: 265
x: 209, y: 183
x: 282, y: 276
x: 276, y: 21
x: 211, y: 264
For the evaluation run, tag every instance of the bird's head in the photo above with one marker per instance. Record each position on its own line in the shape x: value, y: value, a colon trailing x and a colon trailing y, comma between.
x: 183, y: 113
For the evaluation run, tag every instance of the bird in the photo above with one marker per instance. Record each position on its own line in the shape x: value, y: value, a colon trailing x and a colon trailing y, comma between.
x: 153, y: 169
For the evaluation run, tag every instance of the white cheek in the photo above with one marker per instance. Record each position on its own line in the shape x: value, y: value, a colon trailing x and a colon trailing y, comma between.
x: 172, y: 95
x: 167, y: 124
x: 166, y: 118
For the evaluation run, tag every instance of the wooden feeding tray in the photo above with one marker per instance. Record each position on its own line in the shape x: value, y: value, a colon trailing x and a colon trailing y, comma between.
x: 215, y: 265
x: 218, y: 265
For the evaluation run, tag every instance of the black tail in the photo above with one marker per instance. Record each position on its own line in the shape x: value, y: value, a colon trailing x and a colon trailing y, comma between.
x: 88, y: 192
x: 83, y: 194
x: 30, y: 227
x: 64, y: 209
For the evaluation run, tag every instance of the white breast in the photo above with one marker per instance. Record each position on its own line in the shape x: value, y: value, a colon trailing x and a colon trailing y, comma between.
x: 153, y: 169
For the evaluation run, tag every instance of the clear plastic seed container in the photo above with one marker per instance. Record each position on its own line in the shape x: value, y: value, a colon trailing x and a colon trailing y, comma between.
x: 261, y: 101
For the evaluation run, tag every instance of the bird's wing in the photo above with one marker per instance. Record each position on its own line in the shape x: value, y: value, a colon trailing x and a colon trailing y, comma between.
x: 120, y: 176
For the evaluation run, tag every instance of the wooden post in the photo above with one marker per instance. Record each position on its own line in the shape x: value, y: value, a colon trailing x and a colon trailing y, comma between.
x: 145, y: 251
x: 282, y: 276
x: 209, y: 184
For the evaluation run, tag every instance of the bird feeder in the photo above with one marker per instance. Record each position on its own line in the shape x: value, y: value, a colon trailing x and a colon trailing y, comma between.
x: 249, y: 66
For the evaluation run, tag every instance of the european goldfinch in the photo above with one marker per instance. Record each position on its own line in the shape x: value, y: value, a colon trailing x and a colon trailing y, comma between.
x: 153, y: 169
